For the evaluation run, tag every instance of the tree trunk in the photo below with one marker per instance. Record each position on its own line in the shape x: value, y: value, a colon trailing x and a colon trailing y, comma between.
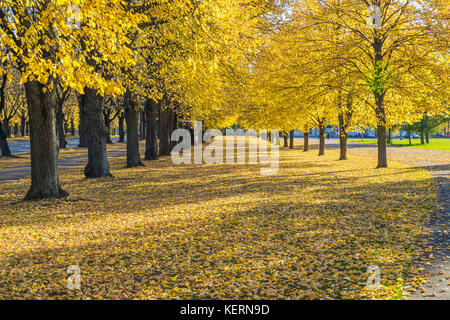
x: 342, y: 137
x: 23, y: 123
x: 151, y: 145
x: 286, y: 138
x: 60, y: 127
x: 108, y: 128
x: 305, y: 141
x: 389, y: 136
x: 427, y: 137
x: 132, y: 118
x: 44, y: 151
x: 6, y: 127
x: 83, y: 124
x: 72, y: 127
x: 422, y: 138
x: 121, y: 127
x: 291, y: 139
x: 164, y: 143
x: 381, y: 131
x: 142, y: 125
x: 321, y: 140
x: 4, y: 143
x: 98, y: 165
x: 409, y: 136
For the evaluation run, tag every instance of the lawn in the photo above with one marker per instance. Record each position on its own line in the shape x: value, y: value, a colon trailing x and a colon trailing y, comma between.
x: 218, y: 231
x: 435, y: 143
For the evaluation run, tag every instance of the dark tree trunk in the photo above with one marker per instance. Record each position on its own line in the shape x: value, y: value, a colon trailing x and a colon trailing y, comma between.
x: 60, y: 126
x: 342, y: 137
x: 72, y: 127
x: 381, y: 131
x: 132, y: 118
x: 286, y: 138
x: 3, y: 141
x: 321, y: 139
x: 164, y: 141
x: 23, y: 123
x: 173, y: 124
x: 142, y: 125
x: 121, y: 127
x: 305, y: 141
x: 6, y: 127
x: 16, y: 130
x: 108, y: 127
x: 422, y: 138
x: 427, y: 137
x: 83, y: 124
x: 382, y: 152
x: 291, y: 139
x: 151, y: 145
x: 409, y: 135
x: 42, y: 109
x: 98, y: 165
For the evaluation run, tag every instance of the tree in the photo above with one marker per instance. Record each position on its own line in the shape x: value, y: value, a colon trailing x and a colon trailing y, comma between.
x: 63, y: 53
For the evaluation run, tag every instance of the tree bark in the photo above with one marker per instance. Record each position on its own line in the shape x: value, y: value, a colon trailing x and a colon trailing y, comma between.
x: 3, y: 140
x: 98, y: 165
x: 121, y: 127
x: 83, y: 124
x: 321, y: 139
x: 132, y: 118
x: 23, y: 123
x: 305, y: 141
x: 142, y: 125
x: 342, y: 137
x: 107, y: 127
x: 151, y: 144
x: 60, y: 126
x: 164, y: 142
x: 72, y: 127
x: 382, y: 153
x: 286, y: 138
x: 291, y: 139
x: 44, y: 151
x: 422, y: 138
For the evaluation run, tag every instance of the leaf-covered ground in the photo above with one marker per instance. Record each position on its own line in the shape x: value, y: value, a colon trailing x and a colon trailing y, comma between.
x: 218, y: 231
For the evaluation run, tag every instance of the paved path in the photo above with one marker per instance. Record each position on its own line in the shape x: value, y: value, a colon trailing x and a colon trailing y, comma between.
x: 17, y: 173
x: 24, y: 146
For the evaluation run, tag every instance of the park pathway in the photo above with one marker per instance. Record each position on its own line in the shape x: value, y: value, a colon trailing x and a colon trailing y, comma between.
x: 20, y: 172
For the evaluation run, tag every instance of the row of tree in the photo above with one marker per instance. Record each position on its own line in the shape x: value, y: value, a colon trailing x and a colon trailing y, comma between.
x: 352, y: 64
x: 177, y: 58
x: 161, y: 64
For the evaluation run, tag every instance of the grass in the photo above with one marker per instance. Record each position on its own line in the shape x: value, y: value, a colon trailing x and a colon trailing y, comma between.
x: 435, y: 143
x: 218, y: 231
